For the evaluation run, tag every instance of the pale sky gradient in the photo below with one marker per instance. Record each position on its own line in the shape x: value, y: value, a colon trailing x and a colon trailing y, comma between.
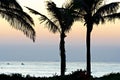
x: 15, y: 46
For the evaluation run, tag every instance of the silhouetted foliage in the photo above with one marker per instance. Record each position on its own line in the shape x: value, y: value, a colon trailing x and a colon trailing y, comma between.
x: 61, y: 21
x: 77, y: 75
x: 11, y: 11
x: 93, y: 12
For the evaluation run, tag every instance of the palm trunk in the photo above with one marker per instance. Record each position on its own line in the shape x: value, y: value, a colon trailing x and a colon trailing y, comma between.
x: 88, y: 53
x: 62, y: 53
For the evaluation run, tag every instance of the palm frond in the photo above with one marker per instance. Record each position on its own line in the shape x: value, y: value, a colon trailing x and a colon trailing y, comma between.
x: 96, y: 4
x: 51, y: 25
x: 78, y: 5
x: 98, y: 18
x: 68, y: 18
x: 18, y: 23
x: 33, y: 11
x: 19, y: 12
x: 51, y: 6
x: 108, y: 9
x: 64, y: 16
x: 112, y: 17
x: 10, y: 4
x: 25, y: 16
x: 53, y: 10
x: 77, y: 15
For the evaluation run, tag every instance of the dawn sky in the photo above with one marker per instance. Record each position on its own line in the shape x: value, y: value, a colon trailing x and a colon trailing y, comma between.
x: 15, y: 46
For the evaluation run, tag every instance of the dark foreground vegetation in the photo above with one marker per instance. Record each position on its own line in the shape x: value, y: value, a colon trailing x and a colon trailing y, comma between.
x: 111, y: 76
x: 77, y: 75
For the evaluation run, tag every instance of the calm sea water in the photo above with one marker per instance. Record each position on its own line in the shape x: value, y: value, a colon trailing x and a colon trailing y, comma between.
x: 52, y: 68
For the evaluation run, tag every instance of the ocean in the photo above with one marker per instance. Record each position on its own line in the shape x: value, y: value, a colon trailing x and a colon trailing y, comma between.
x: 41, y: 69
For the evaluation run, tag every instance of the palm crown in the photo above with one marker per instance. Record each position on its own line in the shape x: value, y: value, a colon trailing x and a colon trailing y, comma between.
x: 61, y: 18
x: 95, y: 8
x: 11, y: 11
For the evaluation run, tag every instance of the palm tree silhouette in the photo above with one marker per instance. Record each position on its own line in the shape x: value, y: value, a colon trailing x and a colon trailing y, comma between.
x: 61, y: 21
x: 93, y: 12
x: 11, y: 11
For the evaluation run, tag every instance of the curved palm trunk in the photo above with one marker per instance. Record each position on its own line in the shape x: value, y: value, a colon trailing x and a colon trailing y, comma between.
x: 62, y: 53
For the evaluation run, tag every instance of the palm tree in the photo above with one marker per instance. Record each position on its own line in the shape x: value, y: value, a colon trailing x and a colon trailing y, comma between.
x: 11, y: 11
x: 93, y: 12
x: 61, y: 21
